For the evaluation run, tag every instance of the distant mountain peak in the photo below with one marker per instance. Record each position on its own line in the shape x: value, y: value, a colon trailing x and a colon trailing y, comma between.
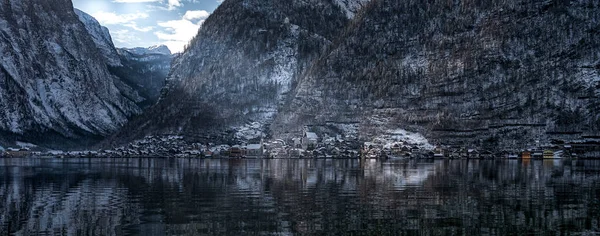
x: 160, y: 48
x: 157, y: 49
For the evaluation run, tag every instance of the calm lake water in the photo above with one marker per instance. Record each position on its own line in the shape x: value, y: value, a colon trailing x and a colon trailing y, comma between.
x: 298, y: 197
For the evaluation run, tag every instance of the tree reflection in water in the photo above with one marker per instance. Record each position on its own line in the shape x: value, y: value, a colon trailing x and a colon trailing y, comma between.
x: 237, y: 197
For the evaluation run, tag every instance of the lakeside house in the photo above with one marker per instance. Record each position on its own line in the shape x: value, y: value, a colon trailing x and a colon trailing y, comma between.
x: 473, y: 153
x: 486, y: 154
x: 297, y: 142
x: 16, y: 152
x: 309, y: 140
x: 236, y: 151
x: 548, y: 154
x: 537, y: 154
x: 254, y: 150
x: 438, y: 153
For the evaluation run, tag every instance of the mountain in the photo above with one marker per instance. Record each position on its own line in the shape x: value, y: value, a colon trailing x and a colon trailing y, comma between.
x: 141, y: 71
x: 101, y: 37
x: 145, y: 70
x: 158, y: 49
x: 54, y: 83
x: 351, y: 7
x: 240, y: 67
x: 503, y: 74
x: 497, y: 74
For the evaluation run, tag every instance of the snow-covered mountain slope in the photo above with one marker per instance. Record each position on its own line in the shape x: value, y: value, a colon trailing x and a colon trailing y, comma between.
x: 157, y: 49
x: 53, y: 81
x: 351, y: 7
x: 101, y: 37
x: 115, y: 63
x: 503, y: 74
x: 242, y: 64
x: 141, y: 72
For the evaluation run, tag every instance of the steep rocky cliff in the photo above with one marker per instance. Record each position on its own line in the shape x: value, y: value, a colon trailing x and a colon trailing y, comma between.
x: 54, y: 83
x: 141, y: 71
x: 497, y: 73
x: 101, y: 37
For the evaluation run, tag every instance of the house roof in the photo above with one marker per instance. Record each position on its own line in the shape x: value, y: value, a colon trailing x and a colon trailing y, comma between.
x: 311, y: 135
x: 253, y: 146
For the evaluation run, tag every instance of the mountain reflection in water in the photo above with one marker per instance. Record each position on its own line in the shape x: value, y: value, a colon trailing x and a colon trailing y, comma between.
x: 284, y: 197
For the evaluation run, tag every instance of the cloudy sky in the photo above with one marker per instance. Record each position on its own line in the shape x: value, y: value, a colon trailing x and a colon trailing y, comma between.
x: 144, y: 23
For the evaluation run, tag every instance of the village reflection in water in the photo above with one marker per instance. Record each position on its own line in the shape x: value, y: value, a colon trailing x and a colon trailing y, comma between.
x: 306, y: 196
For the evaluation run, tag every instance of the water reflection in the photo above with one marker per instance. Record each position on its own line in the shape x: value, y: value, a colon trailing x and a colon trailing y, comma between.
x: 283, y: 197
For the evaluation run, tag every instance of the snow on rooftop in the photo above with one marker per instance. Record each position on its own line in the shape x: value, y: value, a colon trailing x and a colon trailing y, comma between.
x: 312, y: 136
x: 400, y: 137
x: 253, y: 146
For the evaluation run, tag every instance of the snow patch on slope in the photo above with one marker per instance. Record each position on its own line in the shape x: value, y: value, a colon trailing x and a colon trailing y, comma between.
x: 391, y: 137
x: 157, y: 49
x: 351, y: 7
x: 249, y: 131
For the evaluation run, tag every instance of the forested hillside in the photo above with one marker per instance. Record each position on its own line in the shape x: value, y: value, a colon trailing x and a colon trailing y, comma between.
x: 499, y: 72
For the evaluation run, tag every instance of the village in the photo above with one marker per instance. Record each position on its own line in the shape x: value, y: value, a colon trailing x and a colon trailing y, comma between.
x: 311, y: 145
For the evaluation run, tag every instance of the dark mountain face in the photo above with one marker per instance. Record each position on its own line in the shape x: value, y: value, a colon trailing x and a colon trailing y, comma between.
x: 501, y: 74
x: 241, y: 66
x: 54, y: 84
x: 141, y: 72
x: 145, y: 71
x: 101, y: 37
x: 468, y: 72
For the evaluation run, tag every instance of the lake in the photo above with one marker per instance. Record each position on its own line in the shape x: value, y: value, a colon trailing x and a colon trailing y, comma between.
x: 298, y: 197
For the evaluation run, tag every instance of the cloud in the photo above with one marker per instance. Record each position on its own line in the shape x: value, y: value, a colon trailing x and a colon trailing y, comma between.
x: 193, y: 15
x: 177, y: 33
x: 134, y: 26
x: 124, y: 37
x: 173, y: 4
x: 110, y: 18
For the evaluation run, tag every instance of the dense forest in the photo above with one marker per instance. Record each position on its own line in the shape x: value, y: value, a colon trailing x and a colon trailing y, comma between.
x: 464, y: 71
